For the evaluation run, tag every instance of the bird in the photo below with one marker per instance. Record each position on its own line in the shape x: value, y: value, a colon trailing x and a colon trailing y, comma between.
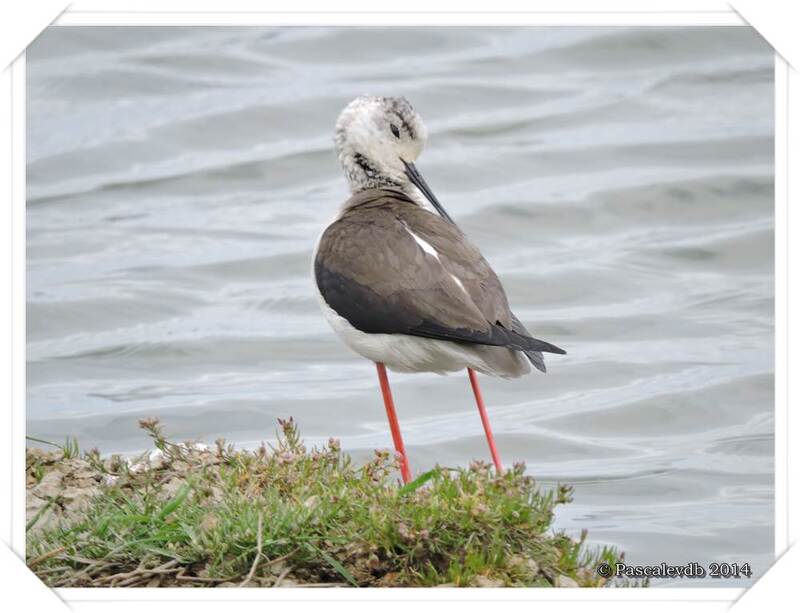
x: 397, y: 279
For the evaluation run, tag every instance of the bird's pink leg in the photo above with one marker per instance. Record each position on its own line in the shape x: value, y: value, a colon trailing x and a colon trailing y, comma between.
x: 394, y: 425
x: 473, y: 379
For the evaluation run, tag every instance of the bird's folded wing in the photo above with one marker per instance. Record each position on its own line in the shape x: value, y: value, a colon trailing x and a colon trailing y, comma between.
x: 397, y: 269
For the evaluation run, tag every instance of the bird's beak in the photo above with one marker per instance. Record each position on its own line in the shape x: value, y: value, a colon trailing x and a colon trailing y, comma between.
x: 416, y: 178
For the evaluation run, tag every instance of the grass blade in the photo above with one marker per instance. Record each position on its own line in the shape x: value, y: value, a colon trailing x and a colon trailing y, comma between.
x: 40, y: 440
x: 39, y: 513
x: 173, y: 504
x: 337, y: 566
x: 418, y: 482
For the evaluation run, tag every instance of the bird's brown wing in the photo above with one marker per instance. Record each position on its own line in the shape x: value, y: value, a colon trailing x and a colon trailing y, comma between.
x: 465, y: 260
x: 370, y: 270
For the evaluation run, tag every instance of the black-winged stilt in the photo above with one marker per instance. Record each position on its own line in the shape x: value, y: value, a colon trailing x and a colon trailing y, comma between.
x: 398, y: 281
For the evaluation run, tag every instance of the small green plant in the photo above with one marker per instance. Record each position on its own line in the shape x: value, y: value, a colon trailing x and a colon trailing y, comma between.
x: 284, y: 514
x: 71, y: 448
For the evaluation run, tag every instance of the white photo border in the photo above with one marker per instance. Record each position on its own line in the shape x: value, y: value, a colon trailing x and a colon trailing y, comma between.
x: 12, y: 88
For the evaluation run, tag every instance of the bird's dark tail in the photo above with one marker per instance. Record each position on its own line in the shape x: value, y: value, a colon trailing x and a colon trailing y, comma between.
x: 535, y: 358
x: 534, y: 354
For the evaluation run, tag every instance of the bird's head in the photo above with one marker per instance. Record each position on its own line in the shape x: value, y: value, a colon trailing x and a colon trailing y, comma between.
x: 374, y: 136
x: 377, y: 141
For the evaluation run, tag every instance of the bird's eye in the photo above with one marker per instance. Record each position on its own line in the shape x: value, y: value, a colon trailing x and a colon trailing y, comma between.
x: 395, y: 130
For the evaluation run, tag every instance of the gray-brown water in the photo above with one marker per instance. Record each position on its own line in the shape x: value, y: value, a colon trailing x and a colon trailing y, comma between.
x: 619, y: 180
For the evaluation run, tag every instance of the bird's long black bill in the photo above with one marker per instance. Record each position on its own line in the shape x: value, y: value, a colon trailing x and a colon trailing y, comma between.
x: 416, y: 178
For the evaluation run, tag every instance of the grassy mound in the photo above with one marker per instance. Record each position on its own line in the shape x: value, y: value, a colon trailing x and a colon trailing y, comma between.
x: 188, y: 515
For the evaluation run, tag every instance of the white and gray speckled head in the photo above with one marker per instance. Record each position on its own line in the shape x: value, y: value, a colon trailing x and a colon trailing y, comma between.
x: 375, y: 135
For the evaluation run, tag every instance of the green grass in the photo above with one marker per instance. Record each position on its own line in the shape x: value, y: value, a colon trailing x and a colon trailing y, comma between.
x: 291, y: 515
